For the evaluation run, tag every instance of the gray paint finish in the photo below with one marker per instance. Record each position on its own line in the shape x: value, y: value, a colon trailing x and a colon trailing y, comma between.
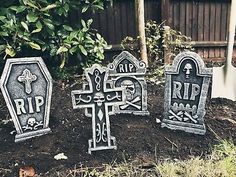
x: 26, y: 85
x: 128, y: 72
x: 187, y: 82
x: 99, y: 98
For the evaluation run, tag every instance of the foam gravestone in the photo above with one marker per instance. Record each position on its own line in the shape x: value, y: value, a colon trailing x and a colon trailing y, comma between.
x: 128, y: 72
x: 187, y: 82
x: 98, y: 97
x: 26, y: 85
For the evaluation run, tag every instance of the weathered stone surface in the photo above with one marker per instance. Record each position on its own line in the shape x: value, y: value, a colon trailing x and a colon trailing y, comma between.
x: 187, y: 82
x: 26, y: 85
x: 98, y: 97
x: 128, y: 72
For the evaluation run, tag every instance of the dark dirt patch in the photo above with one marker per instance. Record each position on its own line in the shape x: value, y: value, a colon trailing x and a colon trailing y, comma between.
x: 138, y: 138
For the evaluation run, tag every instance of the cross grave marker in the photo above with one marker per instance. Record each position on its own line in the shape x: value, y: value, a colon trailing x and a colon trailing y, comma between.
x: 129, y: 72
x: 187, y: 82
x: 98, y: 97
x: 26, y: 85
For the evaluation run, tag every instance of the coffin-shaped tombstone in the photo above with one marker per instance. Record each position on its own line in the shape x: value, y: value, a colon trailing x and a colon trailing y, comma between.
x: 129, y: 72
x: 98, y: 97
x: 187, y: 82
x: 26, y: 85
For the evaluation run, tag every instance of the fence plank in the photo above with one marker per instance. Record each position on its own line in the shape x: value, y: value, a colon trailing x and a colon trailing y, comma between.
x: 217, y: 27
x: 182, y: 21
x: 195, y: 21
x: 188, y: 19
x: 201, y: 27
x: 202, y: 20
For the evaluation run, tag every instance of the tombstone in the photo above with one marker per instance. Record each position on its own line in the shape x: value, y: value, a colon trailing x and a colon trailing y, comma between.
x: 187, y: 82
x: 128, y: 72
x: 98, y: 97
x: 26, y: 85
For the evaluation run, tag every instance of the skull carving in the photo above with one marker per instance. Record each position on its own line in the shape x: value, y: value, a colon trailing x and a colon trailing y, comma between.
x: 129, y: 89
x: 31, y: 121
x: 99, y: 98
x: 187, y: 69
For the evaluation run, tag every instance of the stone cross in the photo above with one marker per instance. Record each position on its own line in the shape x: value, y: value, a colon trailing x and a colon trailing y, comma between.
x: 187, y: 83
x: 99, y: 99
x: 128, y: 72
x: 27, y: 77
x: 29, y: 106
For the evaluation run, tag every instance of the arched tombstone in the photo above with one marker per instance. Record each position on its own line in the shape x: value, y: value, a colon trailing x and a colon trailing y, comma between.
x: 26, y: 85
x: 187, y: 82
x: 129, y: 72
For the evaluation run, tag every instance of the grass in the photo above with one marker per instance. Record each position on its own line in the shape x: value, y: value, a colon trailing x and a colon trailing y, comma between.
x: 220, y: 163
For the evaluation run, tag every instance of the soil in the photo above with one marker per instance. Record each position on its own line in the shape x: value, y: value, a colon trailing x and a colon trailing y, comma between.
x: 139, y: 138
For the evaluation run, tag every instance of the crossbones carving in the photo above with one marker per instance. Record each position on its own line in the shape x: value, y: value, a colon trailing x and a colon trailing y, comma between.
x: 32, y: 124
x: 180, y: 116
x: 132, y: 103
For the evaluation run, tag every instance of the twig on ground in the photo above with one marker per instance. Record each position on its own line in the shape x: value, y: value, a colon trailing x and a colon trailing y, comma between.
x: 6, y: 170
x: 227, y: 119
x: 216, y: 135
x: 171, y: 142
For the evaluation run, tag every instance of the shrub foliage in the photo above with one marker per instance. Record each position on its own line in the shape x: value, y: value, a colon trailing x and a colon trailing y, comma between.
x: 42, y: 27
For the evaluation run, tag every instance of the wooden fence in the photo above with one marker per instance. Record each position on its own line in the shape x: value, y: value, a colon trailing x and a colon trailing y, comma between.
x: 205, y: 21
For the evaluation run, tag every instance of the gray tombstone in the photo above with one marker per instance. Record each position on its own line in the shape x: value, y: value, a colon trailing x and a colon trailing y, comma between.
x: 98, y: 97
x: 187, y: 82
x: 129, y: 72
x: 26, y: 85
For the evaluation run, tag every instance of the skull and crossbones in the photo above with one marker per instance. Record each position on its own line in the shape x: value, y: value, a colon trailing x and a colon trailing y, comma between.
x: 129, y: 89
x: 187, y: 69
x: 99, y: 98
x: 129, y: 92
x: 32, y: 124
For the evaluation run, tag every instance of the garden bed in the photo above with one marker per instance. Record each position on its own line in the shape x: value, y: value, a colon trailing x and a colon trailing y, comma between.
x: 139, y: 139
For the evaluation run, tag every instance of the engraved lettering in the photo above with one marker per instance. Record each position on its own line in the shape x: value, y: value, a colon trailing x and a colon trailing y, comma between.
x: 195, y: 91
x: 39, y: 101
x: 20, y: 106
x: 186, y: 88
x: 176, y: 90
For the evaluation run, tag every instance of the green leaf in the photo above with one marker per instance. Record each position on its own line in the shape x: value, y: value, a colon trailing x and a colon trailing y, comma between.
x: 73, y: 49
x: 67, y: 28
x: 62, y: 49
x: 9, y: 51
x: 31, y: 17
x: 89, y: 22
x: 25, y: 26
x: 39, y: 25
x: 85, y: 8
x: 3, y: 33
x: 34, y: 46
x: 18, y: 9
x: 31, y: 5
x: 2, y: 48
x: 63, y: 62
x: 98, y: 36
x: 66, y: 7
x: 50, y: 6
x: 36, y: 30
x: 2, y: 18
x: 83, y: 23
x: 49, y: 24
x: 82, y: 49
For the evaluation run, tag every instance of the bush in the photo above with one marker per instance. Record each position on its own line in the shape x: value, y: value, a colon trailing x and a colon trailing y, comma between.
x: 158, y: 39
x: 42, y: 28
